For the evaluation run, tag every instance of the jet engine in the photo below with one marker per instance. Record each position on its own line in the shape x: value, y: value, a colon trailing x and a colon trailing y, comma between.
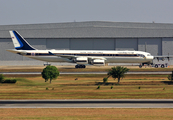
x: 81, y: 60
x: 98, y: 62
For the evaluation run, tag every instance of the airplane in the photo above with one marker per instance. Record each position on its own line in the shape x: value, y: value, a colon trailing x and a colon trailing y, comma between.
x: 79, y: 57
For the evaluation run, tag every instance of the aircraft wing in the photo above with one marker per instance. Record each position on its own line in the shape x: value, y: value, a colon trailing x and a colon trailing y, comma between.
x: 162, y: 57
x: 61, y: 55
x: 12, y: 50
x: 70, y: 57
x: 20, y: 52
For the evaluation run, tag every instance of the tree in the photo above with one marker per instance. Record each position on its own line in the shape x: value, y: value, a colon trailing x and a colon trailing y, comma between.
x: 1, y: 77
x: 170, y: 77
x: 117, y: 72
x: 50, y: 72
x: 105, y: 79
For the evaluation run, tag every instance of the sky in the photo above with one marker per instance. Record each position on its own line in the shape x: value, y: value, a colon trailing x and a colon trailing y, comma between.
x: 14, y: 12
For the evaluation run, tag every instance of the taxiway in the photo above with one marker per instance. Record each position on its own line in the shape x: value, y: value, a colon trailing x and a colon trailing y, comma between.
x: 88, y: 103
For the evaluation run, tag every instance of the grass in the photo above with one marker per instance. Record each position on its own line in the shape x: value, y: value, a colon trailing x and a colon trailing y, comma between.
x: 85, y: 87
x: 85, y: 114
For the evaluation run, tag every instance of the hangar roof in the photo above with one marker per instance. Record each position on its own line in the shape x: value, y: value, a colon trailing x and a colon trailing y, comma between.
x: 92, y: 29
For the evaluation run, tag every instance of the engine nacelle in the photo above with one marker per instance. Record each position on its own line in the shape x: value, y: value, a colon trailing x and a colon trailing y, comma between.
x: 98, y: 62
x: 81, y: 60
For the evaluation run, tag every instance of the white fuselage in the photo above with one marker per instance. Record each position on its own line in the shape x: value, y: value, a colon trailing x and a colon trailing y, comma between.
x: 107, y: 56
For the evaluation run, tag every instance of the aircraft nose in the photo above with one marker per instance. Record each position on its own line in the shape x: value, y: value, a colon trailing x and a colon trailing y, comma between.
x: 150, y: 57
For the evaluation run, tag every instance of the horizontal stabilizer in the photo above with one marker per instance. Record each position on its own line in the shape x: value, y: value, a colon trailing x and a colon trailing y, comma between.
x: 12, y: 50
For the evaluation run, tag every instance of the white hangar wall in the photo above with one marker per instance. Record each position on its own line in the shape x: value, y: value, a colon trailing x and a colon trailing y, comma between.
x: 57, y: 44
x: 126, y: 44
x: 153, y: 45
x: 92, y: 44
x: 167, y: 46
x: 5, y: 55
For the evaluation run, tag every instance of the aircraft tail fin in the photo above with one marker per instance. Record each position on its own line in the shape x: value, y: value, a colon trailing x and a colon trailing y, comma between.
x: 19, y: 42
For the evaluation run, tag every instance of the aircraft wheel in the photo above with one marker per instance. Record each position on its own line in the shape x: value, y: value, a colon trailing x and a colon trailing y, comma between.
x: 77, y: 66
x: 156, y: 66
x: 80, y: 66
x: 162, y: 66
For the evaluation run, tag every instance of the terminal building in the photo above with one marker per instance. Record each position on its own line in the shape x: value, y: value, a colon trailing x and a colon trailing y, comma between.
x: 155, y: 38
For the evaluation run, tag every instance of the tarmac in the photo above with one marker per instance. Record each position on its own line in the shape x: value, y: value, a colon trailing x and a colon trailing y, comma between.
x: 88, y: 103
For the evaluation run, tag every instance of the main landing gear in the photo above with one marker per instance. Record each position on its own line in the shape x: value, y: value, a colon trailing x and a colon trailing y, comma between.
x: 80, y: 66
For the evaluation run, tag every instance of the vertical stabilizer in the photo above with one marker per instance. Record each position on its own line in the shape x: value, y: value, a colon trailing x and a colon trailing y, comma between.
x: 19, y: 42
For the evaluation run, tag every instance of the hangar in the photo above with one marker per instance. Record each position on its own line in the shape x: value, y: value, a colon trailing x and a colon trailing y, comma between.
x: 155, y: 38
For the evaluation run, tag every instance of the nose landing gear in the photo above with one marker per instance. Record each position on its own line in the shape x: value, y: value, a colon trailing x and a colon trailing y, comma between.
x: 140, y: 66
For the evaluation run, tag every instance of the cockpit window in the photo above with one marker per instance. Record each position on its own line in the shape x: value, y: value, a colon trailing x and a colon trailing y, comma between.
x: 148, y: 54
x: 141, y: 55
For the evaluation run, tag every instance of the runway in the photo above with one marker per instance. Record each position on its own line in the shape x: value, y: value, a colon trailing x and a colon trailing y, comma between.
x: 88, y: 103
x: 37, y: 73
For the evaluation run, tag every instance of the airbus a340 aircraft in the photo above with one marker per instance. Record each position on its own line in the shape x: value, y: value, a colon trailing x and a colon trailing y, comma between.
x: 80, y: 57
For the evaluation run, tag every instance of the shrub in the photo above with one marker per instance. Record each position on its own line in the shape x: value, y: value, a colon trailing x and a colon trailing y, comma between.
x: 14, y: 81
x: 98, y: 87
x: 170, y: 77
x: 9, y: 81
x: 47, y: 88
x: 139, y: 87
x: 111, y: 87
x: 105, y: 79
x: 1, y: 77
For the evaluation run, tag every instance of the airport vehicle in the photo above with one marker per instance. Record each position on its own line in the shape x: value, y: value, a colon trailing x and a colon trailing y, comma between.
x: 80, y: 57
x: 161, y: 61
